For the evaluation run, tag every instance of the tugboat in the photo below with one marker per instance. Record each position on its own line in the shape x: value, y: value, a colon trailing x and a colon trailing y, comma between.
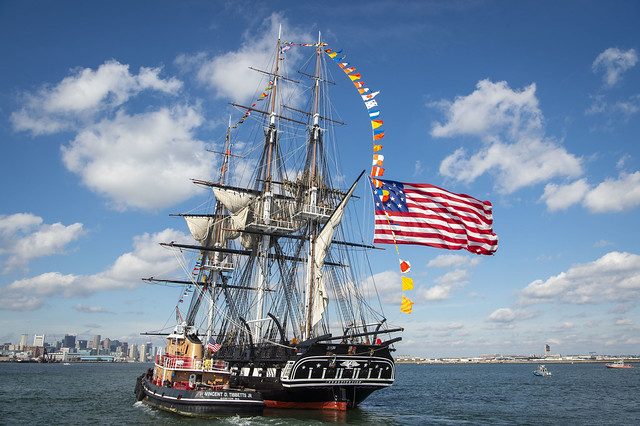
x: 184, y: 382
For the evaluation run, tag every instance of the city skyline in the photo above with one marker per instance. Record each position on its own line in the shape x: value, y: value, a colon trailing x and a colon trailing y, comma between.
x: 108, y: 111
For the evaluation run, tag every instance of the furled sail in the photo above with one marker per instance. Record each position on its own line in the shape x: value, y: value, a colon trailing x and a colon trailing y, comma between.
x: 239, y: 205
x: 201, y: 228
x: 232, y: 199
x: 321, y: 246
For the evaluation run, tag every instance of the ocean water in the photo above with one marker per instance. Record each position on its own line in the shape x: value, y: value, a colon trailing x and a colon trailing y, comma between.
x: 428, y: 394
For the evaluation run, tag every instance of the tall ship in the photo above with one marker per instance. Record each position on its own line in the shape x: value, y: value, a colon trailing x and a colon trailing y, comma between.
x: 281, y: 303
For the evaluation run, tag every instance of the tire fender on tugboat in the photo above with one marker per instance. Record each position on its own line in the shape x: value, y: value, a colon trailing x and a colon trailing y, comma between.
x: 139, y: 389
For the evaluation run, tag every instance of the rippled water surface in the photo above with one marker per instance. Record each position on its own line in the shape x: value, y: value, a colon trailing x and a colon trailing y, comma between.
x: 426, y: 394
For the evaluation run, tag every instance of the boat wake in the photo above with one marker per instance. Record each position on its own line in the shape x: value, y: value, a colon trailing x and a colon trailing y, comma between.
x: 139, y: 405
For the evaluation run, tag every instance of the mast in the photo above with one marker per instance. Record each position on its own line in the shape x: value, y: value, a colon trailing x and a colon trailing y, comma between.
x: 215, y: 273
x: 313, y: 194
x: 271, y: 139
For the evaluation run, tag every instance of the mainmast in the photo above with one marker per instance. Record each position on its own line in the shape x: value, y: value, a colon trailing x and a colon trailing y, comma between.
x: 315, y: 134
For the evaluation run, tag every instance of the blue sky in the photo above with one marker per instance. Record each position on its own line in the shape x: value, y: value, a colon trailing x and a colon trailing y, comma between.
x: 107, y: 110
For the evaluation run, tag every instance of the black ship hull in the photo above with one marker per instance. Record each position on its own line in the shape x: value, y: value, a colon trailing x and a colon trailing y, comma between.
x: 337, y: 377
x: 224, y: 402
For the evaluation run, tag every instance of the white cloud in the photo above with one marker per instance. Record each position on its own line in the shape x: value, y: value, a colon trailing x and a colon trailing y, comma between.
x: 445, y: 285
x: 12, y: 302
x: 510, y: 126
x: 142, y: 161
x: 91, y: 309
x: 560, y: 197
x: 517, y: 165
x: 603, y: 243
x: 624, y: 321
x: 124, y: 274
x: 614, y: 62
x: 417, y: 169
x: 625, y: 158
x: 229, y: 74
x: 453, y: 261
x: 508, y: 316
x: 434, y: 294
x: 388, y: 285
x: 502, y: 315
x: 84, y: 93
x: 23, y: 238
x: 615, y: 110
x: 612, y: 195
x: 492, y: 107
x: 615, y: 277
x: 456, y: 277
x: 18, y: 222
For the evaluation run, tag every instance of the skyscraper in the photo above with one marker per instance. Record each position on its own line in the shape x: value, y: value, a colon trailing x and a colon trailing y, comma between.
x: 23, y: 341
x: 133, y: 352
x: 69, y: 341
x: 143, y: 353
x: 38, y: 340
x: 96, y: 341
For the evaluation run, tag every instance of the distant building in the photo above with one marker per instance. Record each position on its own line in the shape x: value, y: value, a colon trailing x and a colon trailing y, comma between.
x: 23, y: 341
x: 81, y: 344
x: 133, y: 352
x: 69, y: 341
x: 157, y: 350
x: 38, y: 340
x: 34, y: 351
x: 95, y: 344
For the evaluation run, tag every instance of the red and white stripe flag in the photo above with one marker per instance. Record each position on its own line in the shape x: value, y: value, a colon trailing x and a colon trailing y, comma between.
x: 419, y: 213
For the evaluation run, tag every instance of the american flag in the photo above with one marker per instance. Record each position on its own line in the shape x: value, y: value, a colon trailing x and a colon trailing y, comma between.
x: 419, y: 213
x: 212, y: 345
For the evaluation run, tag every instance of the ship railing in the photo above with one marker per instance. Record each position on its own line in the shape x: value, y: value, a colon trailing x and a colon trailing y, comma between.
x: 317, y: 212
x: 218, y: 265
x: 173, y: 362
x: 178, y: 362
x: 215, y: 365
x: 275, y: 224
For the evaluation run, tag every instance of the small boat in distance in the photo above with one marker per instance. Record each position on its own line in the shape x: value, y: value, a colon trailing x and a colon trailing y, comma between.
x: 619, y: 364
x: 542, y: 371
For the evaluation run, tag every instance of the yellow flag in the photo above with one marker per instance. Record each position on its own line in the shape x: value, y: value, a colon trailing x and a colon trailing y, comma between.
x: 406, y: 305
x: 407, y: 283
